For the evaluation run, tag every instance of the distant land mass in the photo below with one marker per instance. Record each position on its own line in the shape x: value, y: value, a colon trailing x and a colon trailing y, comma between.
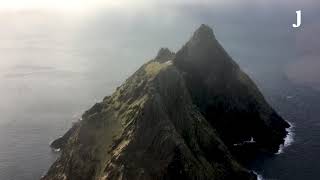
x: 192, y: 115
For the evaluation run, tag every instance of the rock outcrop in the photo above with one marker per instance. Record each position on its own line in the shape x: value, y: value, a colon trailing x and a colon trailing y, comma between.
x: 180, y: 116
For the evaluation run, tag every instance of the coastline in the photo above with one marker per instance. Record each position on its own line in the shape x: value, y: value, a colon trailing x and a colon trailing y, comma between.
x: 288, y: 140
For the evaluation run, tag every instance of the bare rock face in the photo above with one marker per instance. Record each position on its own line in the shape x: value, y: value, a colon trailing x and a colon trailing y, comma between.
x: 61, y: 142
x: 164, y: 55
x: 177, y: 117
x: 226, y: 96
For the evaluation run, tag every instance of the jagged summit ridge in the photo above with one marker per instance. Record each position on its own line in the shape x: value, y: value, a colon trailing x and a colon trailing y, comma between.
x: 204, y: 56
x: 203, y: 33
x: 164, y: 54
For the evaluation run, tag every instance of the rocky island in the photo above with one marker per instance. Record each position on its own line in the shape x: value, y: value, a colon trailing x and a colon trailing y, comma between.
x: 183, y: 115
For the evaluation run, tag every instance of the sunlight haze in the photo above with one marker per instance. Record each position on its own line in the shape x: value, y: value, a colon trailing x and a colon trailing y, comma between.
x: 57, y: 4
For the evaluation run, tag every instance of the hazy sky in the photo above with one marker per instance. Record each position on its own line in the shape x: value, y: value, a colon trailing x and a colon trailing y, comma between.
x: 89, y: 4
x: 57, y: 57
x: 116, y: 29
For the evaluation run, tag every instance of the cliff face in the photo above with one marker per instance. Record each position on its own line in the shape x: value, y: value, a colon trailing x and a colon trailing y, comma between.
x: 226, y: 96
x: 178, y: 117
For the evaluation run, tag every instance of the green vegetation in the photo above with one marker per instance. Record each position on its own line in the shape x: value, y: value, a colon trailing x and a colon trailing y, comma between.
x: 177, y: 117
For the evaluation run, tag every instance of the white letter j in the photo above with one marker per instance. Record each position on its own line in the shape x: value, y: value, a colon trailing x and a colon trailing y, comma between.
x: 298, y: 19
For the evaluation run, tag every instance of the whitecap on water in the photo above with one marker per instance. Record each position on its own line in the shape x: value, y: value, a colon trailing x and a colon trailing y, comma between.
x: 259, y: 177
x: 288, y: 140
x: 245, y: 142
x: 289, y: 97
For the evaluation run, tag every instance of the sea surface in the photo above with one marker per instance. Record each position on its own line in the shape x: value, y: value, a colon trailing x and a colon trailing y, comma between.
x: 55, y: 65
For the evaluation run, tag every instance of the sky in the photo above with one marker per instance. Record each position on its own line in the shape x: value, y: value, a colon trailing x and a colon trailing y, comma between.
x: 50, y: 4
x: 122, y: 22
x: 92, y: 4
x: 58, y: 56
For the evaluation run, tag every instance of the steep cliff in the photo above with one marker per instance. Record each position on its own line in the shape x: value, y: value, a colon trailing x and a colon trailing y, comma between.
x: 180, y: 116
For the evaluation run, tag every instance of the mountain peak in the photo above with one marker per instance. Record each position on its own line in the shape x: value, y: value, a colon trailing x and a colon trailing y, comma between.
x: 203, y: 54
x: 204, y: 32
x: 164, y: 54
x: 187, y: 116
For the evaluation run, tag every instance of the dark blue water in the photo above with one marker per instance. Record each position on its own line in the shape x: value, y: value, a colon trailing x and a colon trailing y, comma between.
x: 301, y: 107
x: 53, y: 66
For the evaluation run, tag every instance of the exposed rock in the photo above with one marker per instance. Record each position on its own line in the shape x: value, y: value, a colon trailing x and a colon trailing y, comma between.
x: 60, y: 143
x: 177, y: 117
x: 226, y: 96
x: 164, y: 54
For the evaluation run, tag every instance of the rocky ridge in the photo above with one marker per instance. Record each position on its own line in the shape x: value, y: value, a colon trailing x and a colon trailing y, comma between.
x: 180, y: 116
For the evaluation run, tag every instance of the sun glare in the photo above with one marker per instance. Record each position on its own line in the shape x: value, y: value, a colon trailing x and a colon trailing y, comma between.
x: 55, y: 4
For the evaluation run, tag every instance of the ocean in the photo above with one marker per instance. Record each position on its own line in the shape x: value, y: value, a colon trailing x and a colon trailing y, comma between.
x: 54, y: 66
